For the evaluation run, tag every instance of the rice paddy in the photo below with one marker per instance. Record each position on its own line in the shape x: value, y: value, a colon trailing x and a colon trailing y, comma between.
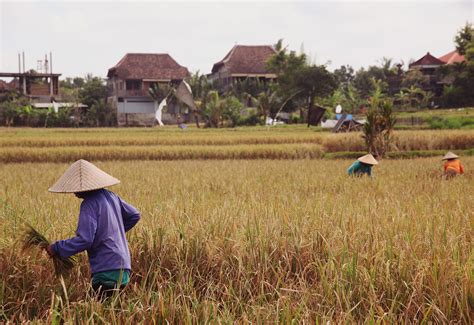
x: 66, y: 145
x: 260, y: 240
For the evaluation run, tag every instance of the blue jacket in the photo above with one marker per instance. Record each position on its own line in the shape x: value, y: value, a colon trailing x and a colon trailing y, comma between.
x: 104, y: 219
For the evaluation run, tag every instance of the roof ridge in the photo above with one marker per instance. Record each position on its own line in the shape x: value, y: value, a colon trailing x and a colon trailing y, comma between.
x: 149, y: 65
x: 143, y: 53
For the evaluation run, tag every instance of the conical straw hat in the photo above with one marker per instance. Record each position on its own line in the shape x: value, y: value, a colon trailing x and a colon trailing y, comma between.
x: 450, y: 155
x: 82, y: 176
x: 368, y: 159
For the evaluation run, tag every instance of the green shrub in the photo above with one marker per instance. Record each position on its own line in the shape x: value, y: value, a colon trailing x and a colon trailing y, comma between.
x: 451, y: 123
x: 250, y: 120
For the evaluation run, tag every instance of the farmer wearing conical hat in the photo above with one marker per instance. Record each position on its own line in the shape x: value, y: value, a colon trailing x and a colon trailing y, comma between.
x: 104, y: 219
x: 452, y: 166
x: 362, y: 166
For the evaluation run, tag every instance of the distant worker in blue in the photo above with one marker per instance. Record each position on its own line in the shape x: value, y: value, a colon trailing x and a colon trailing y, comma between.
x: 363, y: 166
x: 104, y: 218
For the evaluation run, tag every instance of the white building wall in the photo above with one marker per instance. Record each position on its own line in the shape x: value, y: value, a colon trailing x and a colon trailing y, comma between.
x: 128, y: 106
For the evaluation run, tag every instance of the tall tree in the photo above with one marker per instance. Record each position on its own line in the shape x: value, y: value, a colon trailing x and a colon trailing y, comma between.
x: 344, y: 75
x: 460, y: 93
x: 299, y: 81
x: 462, y: 39
x: 313, y: 81
x: 93, y: 89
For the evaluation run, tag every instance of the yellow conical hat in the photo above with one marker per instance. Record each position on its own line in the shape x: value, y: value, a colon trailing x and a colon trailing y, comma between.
x: 368, y: 159
x: 450, y: 155
x: 82, y: 176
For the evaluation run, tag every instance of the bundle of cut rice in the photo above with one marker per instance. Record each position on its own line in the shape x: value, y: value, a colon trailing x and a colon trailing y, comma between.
x: 33, y: 238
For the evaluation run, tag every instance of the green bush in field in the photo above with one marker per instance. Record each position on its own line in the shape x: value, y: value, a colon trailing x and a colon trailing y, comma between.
x: 451, y: 123
x: 252, y: 119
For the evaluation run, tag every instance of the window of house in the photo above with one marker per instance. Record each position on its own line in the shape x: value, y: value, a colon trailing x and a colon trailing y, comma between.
x: 133, y: 84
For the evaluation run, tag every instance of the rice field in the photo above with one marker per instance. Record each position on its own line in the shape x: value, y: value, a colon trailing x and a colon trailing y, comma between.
x: 249, y: 240
x: 67, y: 145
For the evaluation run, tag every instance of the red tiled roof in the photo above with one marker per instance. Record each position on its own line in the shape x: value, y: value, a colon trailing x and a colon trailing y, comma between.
x: 14, y: 83
x: 428, y: 59
x: 148, y: 66
x: 452, y: 57
x: 246, y: 59
x: 3, y: 85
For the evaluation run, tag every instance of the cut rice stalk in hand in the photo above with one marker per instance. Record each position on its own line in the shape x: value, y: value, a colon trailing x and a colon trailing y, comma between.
x: 33, y: 238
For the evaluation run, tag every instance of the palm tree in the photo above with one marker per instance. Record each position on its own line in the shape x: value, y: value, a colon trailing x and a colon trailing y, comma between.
x: 402, y: 97
x: 160, y: 91
x: 212, y: 111
x: 415, y: 95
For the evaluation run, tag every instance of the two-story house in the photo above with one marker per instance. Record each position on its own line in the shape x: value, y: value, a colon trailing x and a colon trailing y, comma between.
x: 242, y: 61
x: 129, y: 82
x: 428, y: 66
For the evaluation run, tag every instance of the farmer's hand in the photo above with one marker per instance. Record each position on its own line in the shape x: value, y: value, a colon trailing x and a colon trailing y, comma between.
x: 50, y: 250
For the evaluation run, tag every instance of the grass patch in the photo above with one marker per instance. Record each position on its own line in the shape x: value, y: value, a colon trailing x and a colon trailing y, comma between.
x: 452, y: 123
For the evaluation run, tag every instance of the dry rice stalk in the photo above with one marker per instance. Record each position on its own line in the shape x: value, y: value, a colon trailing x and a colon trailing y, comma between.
x: 33, y: 238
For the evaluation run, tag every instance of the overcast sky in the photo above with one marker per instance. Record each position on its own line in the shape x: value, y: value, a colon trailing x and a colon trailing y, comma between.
x: 90, y: 37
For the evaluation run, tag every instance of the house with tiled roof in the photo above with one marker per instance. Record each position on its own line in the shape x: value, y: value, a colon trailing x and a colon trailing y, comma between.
x: 243, y: 61
x: 427, y: 62
x: 131, y: 78
x: 452, y: 57
x: 427, y: 65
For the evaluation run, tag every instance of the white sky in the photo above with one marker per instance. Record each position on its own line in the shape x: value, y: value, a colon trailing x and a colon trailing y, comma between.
x: 90, y: 37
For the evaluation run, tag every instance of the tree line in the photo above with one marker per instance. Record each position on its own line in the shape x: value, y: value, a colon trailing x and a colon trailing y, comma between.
x: 300, y: 86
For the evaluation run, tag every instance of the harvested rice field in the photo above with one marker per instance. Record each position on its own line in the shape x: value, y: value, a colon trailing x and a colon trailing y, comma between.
x: 289, y: 239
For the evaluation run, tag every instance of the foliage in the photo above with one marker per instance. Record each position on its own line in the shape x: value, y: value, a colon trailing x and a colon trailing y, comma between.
x: 348, y: 97
x: 160, y: 91
x: 101, y: 114
x: 462, y: 39
x: 284, y: 62
x: 60, y: 119
x: 460, y: 76
x: 363, y: 80
x: 219, y: 110
x: 270, y: 103
x: 299, y: 81
x: 231, y: 110
x: 415, y: 78
x: 414, y: 97
x: 460, y: 93
x: 252, y: 119
x: 93, y: 89
x: 249, y: 88
x: 378, y: 128
x: 200, y: 86
x: 452, y: 123
x: 12, y: 106
x: 212, y: 111
x: 345, y: 76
